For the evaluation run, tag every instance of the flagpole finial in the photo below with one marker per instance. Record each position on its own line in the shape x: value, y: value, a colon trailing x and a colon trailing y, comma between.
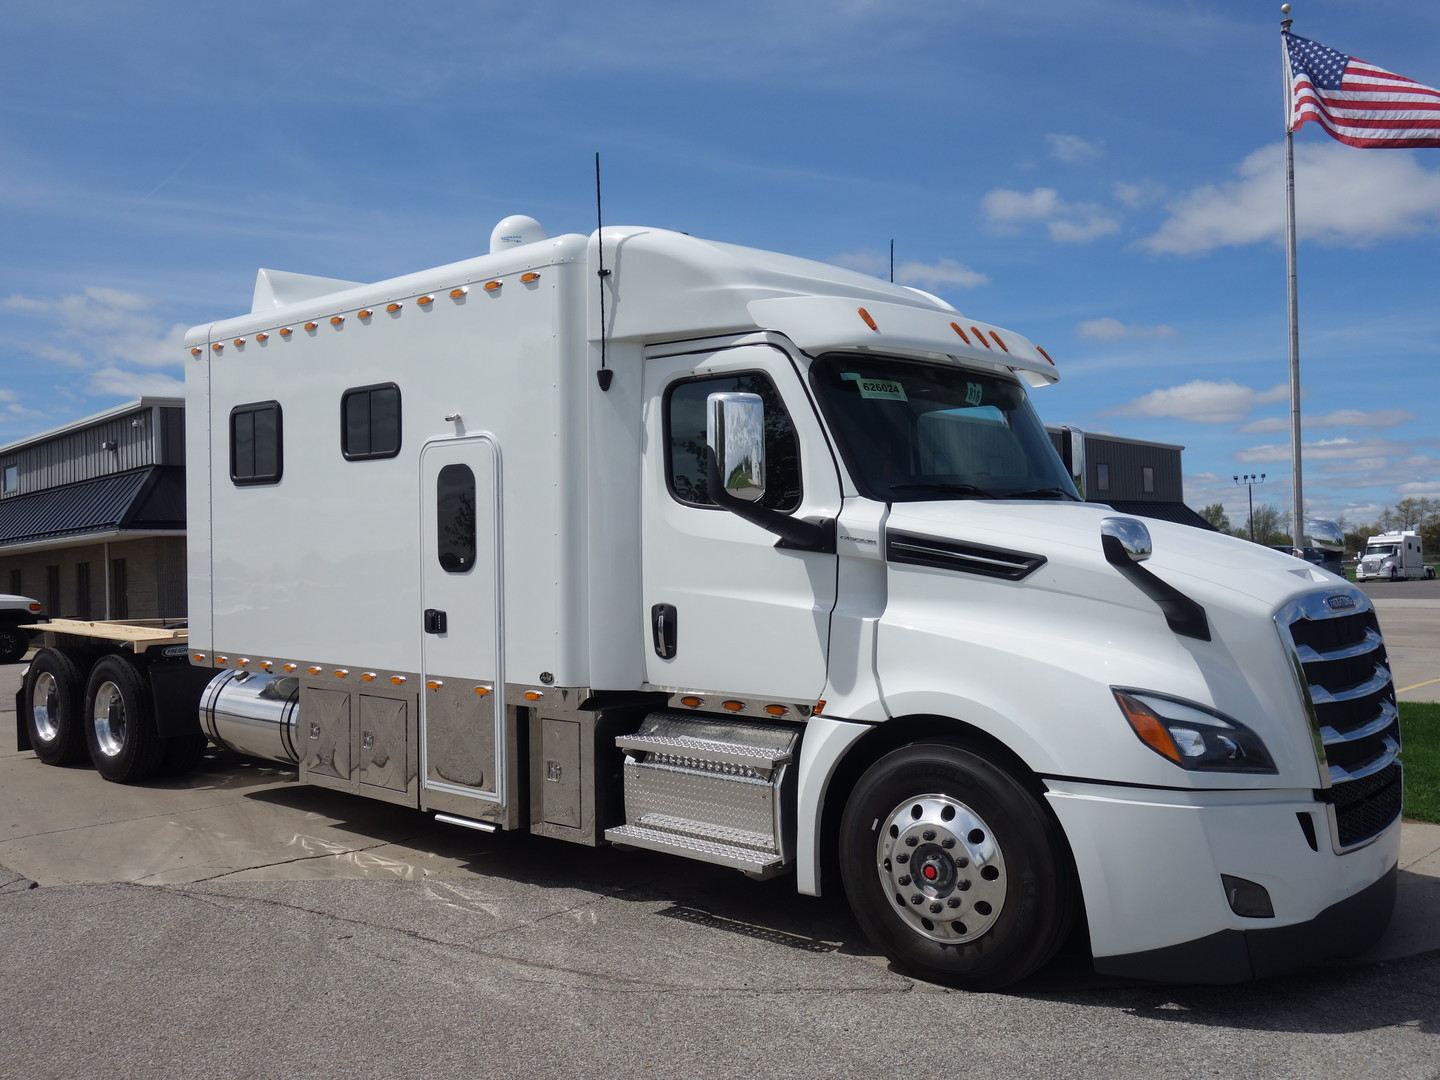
x: 1285, y: 22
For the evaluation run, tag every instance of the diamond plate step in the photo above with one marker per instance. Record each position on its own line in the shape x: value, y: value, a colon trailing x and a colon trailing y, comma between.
x: 755, y: 863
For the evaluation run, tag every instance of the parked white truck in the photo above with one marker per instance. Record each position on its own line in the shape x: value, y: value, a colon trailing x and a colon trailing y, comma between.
x: 677, y: 545
x: 1393, y: 556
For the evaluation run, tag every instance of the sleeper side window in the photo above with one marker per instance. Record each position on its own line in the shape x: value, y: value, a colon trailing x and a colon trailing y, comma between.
x: 685, y: 440
x: 256, y: 443
x: 370, y: 422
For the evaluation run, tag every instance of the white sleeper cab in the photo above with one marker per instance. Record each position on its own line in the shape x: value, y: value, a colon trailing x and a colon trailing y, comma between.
x: 646, y: 540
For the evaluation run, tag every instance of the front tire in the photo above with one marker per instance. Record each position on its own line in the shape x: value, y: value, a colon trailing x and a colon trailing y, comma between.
x: 954, y: 869
x: 14, y: 643
x: 120, y: 728
x: 54, y: 711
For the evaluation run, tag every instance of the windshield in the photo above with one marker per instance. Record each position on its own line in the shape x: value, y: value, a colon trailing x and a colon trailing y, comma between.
x: 913, y: 431
x: 1382, y: 549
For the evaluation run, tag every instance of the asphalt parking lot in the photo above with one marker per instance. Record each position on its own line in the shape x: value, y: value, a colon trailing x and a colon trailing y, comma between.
x: 236, y: 924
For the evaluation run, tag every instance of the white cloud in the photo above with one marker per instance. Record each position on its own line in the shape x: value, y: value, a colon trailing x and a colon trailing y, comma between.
x: 1107, y: 329
x: 938, y: 274
x: 1136, y: 196
x: 112, y: 380
x: 1380, y: 418
x: 1325, y: 450
x: 1007, y: 210
x: 1203, y: 402
x: 98, y: 327
x: 1341, y: 198
x: 1074, y: 150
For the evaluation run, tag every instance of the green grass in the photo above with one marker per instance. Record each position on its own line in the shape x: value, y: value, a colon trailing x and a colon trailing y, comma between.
x: 1420, y: 730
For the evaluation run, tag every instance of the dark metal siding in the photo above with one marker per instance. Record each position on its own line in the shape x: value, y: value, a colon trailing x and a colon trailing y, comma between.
x: 152, y: 498
x: 1127, y: 461
x: 75, y: 456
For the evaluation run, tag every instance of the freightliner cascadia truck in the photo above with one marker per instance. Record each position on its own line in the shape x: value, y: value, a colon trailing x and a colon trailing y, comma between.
x: 645, y: 540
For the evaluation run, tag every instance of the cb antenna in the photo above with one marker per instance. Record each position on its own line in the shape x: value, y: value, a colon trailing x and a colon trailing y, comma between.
x: 892, y: 260
x: 604, y: 375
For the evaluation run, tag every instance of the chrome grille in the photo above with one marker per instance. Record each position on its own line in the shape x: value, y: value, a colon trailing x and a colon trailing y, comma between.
x: 1345, y: 674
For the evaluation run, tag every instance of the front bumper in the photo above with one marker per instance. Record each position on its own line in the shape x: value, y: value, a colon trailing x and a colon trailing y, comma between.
x: 1150, y: 865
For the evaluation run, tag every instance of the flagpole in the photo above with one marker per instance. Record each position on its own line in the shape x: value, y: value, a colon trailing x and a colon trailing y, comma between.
x: 1292, y: 298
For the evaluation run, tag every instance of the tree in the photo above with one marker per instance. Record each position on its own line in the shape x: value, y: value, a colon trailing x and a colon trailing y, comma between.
x: 1270, y: 525
x: 1216, y: 516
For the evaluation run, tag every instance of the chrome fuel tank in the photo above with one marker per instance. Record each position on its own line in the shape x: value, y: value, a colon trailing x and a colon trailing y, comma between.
x: 252, y: 714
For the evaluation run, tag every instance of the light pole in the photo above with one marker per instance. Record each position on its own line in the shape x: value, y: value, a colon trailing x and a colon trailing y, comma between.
x: 1249, y: 480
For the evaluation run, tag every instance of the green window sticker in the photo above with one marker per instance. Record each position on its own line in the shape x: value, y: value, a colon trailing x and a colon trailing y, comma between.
x: 974, y: 392
x: 877, y: 389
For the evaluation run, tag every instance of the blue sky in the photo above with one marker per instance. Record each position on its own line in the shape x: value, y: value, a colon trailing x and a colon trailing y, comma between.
x: 1102, y: 176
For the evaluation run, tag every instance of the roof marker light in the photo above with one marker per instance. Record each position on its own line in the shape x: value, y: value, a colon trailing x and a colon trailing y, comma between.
x: 870, y: 322
x: 456, y: 294
x: 392, y: 308
x: 425, y: 301
x: 956, y: 328
x: 217, y: 347
x: 336, y: 320
x: 286, y: 331
x: 981, y: 335
x: 528, y: 278
x: 364, y: 313
x: 999, y: 341
x: 1045, y: 354
x: 311, y: 325
x: 262, y: 337
x: 239, y: 341
x: 491, y: 286
x: 195, y: 351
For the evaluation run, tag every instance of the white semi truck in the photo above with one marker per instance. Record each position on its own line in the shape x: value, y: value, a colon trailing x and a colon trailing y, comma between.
x: 1393, y: 556
x: 670, y: 544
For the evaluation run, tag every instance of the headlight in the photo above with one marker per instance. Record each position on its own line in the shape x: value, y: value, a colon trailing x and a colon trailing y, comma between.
x: 1192, y: 736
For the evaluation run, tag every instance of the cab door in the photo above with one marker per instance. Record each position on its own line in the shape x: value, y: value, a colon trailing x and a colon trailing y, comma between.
x: 728, y: 611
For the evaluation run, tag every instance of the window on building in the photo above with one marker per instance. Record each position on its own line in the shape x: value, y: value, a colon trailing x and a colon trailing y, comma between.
x: 119, y: 591
x: 685, y: 440
x: 1147, y: 479
x: 1102, y: 476
x: 82, y: 591
x: 455, y: 518
x: 370, y: 422
x: 17, y: 580
x: 52, y: 591
x: 256, y: 444
x: 12, y: 479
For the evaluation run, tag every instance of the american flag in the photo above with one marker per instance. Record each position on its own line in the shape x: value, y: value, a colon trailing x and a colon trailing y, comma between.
x: 1359, y: 103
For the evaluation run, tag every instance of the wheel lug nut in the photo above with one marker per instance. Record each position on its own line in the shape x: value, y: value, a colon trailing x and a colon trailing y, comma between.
x: 903, y: 857
x: 916, y: 899
x: 929, y: 834
x: 964, y: 885
x: 935, y: 909
x: 962, y: 862
x: 903, y: 879
x: 948, y: 843
x: 910, y: 841
x: 954, y: 901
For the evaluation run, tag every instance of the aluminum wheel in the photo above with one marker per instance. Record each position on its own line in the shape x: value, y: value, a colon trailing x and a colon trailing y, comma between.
x: 108, y: 712
x: 44, y: 706
x: 941, y: 864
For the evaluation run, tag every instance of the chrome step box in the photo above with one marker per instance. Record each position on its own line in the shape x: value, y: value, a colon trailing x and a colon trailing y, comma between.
x: 711, y: 789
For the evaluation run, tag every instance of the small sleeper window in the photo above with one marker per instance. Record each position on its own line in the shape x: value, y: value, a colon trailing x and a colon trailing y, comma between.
x: 370, y: 422
x: 256, y: 455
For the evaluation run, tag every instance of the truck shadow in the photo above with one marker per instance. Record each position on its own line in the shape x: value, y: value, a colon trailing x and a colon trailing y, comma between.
x: 1332, y: 999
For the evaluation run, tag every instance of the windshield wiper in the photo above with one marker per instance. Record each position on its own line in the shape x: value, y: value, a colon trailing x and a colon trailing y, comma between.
x: 956, y: 491
x: 1037, y: 493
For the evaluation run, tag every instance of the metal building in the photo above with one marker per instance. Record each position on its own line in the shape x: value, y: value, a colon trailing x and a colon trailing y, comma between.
x: 1132, y: 476
x: 92, y: 514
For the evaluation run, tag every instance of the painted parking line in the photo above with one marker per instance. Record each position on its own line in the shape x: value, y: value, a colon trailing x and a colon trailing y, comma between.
x: 1427, y: 682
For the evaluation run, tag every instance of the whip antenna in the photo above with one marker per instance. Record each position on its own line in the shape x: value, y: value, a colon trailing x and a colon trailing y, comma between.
x: 604, y: 375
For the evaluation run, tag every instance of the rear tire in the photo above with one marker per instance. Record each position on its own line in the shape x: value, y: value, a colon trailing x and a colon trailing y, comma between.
x: 54, y: 717
x: 954, y: 869
x: 120, y: 723
x: 182, y: 754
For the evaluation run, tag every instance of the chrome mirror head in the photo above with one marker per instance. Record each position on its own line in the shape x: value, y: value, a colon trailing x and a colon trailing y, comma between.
x: 1132, y: 534
x: 735, y: 434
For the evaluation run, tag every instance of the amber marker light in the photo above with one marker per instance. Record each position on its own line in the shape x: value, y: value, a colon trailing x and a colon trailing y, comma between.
x: 336, y: 320
x: 956, y: 328
x: 777, y: 710
x: 286, y: 331
x: 244, y: 661
x: 869, y: 320
x: 692, y: 702
x: 1148, y: 726
x: 262, y: 337
x: 425, y: 301
x: 397, y: 680
x: 433, y: 684
x: 491, y: 286
x: 999, y: 341
x: 981, y: 335
x: 239, y: 341
x: 528, y: 278
x: 533, y: 695
x: 222, y: 659
x: 314, y: 670
x: 198, y: 657
x: 217, y: 347
x: 195, y: 351
x: 340, y: 673
x: 1045, y: 354
x: 266, y: 664
x: 456, y: 294
x: 819, y: 708
x: 482, y: 691
x: 311, y: 325
x: 364, y: 313
x: 368, y: 676
x: 733, y: 706
x: 291, y: 667
x: 392, y: 308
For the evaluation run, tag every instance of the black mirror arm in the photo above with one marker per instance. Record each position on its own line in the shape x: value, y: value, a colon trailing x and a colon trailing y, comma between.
x: 793, y: 532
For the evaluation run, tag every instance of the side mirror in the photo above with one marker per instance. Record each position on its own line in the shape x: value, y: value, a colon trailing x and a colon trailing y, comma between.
x: 735, y: 434
x: 1325, y: 535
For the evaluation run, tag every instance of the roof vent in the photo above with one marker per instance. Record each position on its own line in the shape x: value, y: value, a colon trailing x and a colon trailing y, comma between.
x: 515, y: 230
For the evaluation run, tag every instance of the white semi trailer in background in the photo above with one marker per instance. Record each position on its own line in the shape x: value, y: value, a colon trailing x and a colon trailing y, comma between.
x: 670, y: 544
x: 1393, y: 556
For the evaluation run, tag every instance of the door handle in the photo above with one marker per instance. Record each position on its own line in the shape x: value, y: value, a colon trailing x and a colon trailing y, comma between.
x: 435, y: 621
x: 663, y: 628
